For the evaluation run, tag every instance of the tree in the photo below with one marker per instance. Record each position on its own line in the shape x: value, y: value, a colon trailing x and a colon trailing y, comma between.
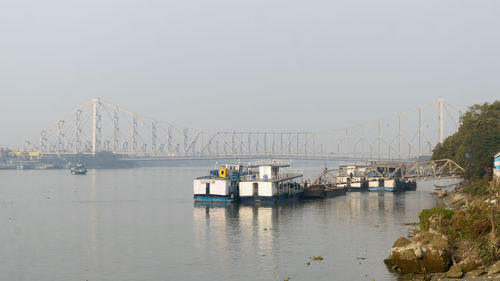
x: 476, y: 142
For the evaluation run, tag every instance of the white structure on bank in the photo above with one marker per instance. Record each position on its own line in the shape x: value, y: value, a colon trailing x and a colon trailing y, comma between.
x: 496, y: 169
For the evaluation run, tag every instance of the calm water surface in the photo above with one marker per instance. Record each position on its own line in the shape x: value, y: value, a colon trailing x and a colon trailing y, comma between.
x: 142, y: 224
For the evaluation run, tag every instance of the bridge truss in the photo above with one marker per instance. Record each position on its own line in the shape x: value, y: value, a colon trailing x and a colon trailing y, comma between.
x: 397, y: 170
x: 99, y: 126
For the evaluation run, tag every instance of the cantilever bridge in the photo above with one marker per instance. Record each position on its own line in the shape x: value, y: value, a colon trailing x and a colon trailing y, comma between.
x: 99, y: 126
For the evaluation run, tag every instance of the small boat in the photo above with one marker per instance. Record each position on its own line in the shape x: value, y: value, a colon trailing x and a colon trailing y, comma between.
x: 358, y: 186
x: 316, y: 191
x: 270, y: 183
x: 393, y: 185
x: 390, y: 185
x: 353, y: 177
x: 79, y: 169
x: 376, y: 184
x: 220, y: 186
x: 439, y: 187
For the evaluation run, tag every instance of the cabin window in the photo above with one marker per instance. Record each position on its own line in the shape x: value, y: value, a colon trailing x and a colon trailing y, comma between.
x: 207, y: 188
x: 255, y: 187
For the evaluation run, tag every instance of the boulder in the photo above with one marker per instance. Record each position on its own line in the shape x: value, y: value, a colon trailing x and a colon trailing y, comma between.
x: 404, y: 259
x: 476, y: 273
x: 401, y: 242
x: 455, y: 272
x: 495, y: 268
x: 469, y: 264
x: 426, y: 253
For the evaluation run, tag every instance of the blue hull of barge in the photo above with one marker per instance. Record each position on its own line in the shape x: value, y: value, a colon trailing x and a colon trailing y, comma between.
x: 214, y: 199
x: 385, y: 188
x: 357, y: 189
x: 271, y: 199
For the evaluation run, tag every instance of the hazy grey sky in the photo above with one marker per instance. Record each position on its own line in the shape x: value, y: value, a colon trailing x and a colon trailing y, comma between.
x: 229, y: 64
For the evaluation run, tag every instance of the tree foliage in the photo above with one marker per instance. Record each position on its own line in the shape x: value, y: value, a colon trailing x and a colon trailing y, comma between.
x: 476, y: 142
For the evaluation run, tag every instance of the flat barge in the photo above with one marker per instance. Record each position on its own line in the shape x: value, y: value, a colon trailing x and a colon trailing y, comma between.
x: 319, y: 191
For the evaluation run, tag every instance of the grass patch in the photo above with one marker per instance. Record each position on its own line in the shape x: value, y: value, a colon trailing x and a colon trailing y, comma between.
x: 477, y: 188
x: 427, y: 213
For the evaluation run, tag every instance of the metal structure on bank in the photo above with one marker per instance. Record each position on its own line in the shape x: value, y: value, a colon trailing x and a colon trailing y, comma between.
x: 396, y: 170
x: 99, y: 126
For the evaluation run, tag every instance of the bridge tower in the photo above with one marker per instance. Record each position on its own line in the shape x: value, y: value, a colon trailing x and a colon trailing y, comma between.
x: 441, y: 102
x: 96, y: 125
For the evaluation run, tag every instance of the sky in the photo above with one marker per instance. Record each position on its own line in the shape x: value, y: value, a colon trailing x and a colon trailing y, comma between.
x: 243, y: 65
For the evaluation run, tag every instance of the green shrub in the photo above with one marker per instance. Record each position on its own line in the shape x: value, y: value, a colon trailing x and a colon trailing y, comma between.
x: 487, y: 251
x: 478, y: 188
x: 470, y: 223
x: 427, y: 213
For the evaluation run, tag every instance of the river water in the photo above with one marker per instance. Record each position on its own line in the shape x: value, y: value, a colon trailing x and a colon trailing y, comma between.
x: 142, y: 224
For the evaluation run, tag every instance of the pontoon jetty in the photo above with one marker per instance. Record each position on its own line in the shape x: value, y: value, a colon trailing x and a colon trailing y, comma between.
x: 221, y: 185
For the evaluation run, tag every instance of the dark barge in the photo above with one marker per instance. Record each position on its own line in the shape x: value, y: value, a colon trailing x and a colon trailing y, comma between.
x: 318, y: 191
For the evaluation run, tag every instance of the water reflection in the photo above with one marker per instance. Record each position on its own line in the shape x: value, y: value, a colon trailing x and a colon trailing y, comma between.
x: 257, y: 220
x: 276, y: 242
x: 265, y: 234
x: 93, y: 221
x: 219, y: 221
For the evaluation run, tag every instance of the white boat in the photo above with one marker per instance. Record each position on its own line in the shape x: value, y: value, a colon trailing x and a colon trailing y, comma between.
x: 79, y: 169
x: 220, y: 186
x: 391, y: 185
x: 270, y: 182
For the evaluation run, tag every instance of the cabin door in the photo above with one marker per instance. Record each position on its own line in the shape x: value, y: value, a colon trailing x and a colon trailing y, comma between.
x: 381, y: 183
x: 255, y: 188
x: 207, y: 188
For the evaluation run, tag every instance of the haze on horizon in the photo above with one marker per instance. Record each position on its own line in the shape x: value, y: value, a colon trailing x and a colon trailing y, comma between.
x: 243, y: 65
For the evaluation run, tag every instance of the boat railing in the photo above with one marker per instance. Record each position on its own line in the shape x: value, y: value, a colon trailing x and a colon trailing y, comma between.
x: 258, y: 163
x: 281, y: 176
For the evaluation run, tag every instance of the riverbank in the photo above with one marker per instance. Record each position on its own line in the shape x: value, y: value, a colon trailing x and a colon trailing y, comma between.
x: 459, y: 240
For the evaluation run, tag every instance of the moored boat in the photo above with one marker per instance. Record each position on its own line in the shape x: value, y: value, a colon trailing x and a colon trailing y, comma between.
x: 270, y: 183
x: 317, y: 191
x: 375, y: 184
x: 358, y: 186
x: 79, y: 169
x: 440, y: 187
x: 353, y: 177
x: 220, y: 186
x: 391, y: 185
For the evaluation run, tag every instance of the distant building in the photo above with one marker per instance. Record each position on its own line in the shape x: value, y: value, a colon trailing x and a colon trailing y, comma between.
x: 4, y: 152
x: 496, y: 169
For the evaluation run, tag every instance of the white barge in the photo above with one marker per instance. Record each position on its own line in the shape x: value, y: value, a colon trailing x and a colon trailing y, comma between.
x: 221, y: 186
x: 270, y: 183
x: 391, y: 185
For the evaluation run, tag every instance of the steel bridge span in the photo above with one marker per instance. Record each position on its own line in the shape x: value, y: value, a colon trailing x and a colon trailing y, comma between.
x: 99, y: 126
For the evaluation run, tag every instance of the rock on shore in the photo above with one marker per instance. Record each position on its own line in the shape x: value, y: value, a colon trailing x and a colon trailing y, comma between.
x: 427, y: 252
